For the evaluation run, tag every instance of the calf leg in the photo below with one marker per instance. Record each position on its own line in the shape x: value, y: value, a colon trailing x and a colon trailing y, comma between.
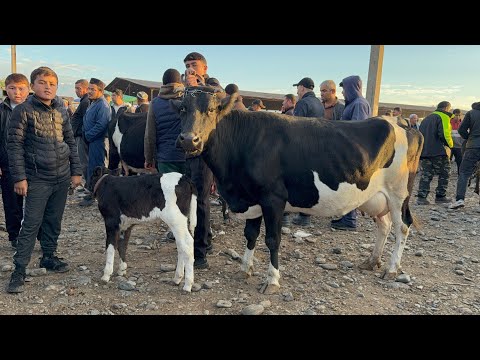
x: 272, y: 210
x: 113, y: 233
x: 251, y: 232
x: 122, y: 250
x: 184, y: 242
x: 384, y: 225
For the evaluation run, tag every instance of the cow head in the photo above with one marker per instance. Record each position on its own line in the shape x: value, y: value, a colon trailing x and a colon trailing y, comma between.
x: 200, y: 111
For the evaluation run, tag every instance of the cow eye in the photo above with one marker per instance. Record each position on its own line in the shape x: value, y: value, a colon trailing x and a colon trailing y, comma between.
x: 211, y: 109
x: 182, y: 109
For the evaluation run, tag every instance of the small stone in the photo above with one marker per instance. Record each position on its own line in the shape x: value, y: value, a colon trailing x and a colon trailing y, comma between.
x: 224, y: 304
x: 328, y: 266
x: 253, y: 309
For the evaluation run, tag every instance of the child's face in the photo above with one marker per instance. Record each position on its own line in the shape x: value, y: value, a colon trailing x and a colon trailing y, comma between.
x: 45, y: 87
x: 17, y: 92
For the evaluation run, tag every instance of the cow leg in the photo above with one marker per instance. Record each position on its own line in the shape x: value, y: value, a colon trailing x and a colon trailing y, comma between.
x: 401, y: 231
x: 122, y: 250
x: 272, y: 210
x: 113, y: 234
x: 384, y: 225
x: 251, y: 232
x: 184, y: 242
x: 125, y: 168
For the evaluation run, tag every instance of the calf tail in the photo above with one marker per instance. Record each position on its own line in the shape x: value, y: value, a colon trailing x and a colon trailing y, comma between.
x: 192, y: 217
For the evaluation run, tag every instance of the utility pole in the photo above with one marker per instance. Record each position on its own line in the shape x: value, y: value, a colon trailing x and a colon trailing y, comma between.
x: 14, y: 58
x: 375, y: 77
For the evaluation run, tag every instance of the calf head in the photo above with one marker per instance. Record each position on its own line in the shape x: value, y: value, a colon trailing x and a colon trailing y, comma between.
x: 200, y: 111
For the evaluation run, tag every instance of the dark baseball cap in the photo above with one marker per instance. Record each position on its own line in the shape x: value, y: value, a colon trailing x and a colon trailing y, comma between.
x: 306, y: 82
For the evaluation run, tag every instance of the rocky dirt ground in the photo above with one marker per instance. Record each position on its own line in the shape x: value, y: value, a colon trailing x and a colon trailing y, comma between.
x: 319, y: 273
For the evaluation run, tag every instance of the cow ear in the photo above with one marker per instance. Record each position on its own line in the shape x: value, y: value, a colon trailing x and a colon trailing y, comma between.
x: 116, y: 172
x: 175, y: 104
x: 226, y: 107
x: 97, y: 171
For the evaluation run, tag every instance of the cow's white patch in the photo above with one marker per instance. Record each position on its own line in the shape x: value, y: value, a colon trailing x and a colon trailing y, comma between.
x: 273, y: 275
x: 252, y: 212
x: 122, y: 268
x: 108, y: 271
x: 117, y: 137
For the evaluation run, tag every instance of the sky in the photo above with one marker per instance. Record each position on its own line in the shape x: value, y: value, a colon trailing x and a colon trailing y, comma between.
x: 412, y: 74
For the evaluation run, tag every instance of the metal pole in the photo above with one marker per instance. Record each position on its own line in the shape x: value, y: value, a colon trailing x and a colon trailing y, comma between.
x: 14, y: 58
x: 375, y: 77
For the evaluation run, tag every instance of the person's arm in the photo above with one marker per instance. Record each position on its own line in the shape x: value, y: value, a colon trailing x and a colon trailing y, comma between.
x: 464, y: 126
x: 17, y: 129
x: 301, y: 109
x: 103, y: 116
x: 445, y: 131
x: 361, y: 111
x: 77, y: 118
x: 75, y: 167
x: 150, y: 141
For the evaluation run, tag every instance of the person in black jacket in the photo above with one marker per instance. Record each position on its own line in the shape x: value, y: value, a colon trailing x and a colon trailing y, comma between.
x: 470, y: 130
x: 17, y: 87
x: 81, y: 88
x: 197, y: 170
x: 43, y: 161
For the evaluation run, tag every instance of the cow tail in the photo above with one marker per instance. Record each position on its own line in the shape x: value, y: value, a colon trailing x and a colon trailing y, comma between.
x: 415, y: 146
x: 192, y: 218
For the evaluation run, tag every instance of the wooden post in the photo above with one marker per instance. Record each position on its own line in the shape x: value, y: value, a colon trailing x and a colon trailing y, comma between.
x: 374, y: 77
x: 14, y: 58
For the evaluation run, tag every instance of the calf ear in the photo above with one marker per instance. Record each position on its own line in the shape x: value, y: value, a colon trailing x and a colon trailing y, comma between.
x: 176, y: 104
x: 116, y: 172
x: 98, y: 171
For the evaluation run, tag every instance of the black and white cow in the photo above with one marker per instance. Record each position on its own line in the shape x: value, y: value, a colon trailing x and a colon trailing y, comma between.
x: 127, y: 201
x: 126, y: 134
x: 268, y: 163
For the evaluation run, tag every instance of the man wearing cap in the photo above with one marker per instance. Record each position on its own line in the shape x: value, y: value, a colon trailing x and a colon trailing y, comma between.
x: 308, y: 105
x: 197, y: 170
x: 356, y: 108
x: 95, y: 125
x: 142, y: 101
x: 257, y: 105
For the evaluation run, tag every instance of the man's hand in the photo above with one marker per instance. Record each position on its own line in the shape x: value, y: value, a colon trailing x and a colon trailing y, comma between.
x: 76, y: 180
x: 21, y: 187
x: 148, y: 165
x: 191, y: 80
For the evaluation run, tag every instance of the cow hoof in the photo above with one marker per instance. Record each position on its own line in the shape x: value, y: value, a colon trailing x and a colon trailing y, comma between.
x: 105, y: 278
x: 269, y: 289
x: 176, y: 281
x: 121, y: 272
x: 388, y: 275
x: 187, y: 289
x: 241, y: 275
x: 366, y: 265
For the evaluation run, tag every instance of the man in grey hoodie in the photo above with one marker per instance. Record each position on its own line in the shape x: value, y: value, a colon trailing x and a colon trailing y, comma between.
x: 356, y: 108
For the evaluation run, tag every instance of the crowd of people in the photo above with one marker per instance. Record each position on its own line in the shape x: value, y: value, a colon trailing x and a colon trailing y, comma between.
x: 45, y: 150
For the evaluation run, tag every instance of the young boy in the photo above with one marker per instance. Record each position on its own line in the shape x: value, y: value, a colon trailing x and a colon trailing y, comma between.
x: 43, y: 161
x: 17, y: 88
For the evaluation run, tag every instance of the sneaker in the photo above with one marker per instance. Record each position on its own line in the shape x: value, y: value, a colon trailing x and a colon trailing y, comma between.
x: 442, y: 200
x: 457, y: 204
x: 87, y: 201
x: 17, y: 282
x: 341, y: 226
x: 301, y: 220
x: 201, y: 263
x: 170, y: 237
x: 422, y: 201
x: 53, y: 263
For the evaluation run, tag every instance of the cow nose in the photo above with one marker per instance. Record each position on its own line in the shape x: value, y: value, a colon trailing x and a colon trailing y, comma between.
x: 189, y: 141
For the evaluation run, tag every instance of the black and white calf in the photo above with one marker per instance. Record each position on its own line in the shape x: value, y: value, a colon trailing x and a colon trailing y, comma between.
x: 267, y: 163
x: 127, y: 201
